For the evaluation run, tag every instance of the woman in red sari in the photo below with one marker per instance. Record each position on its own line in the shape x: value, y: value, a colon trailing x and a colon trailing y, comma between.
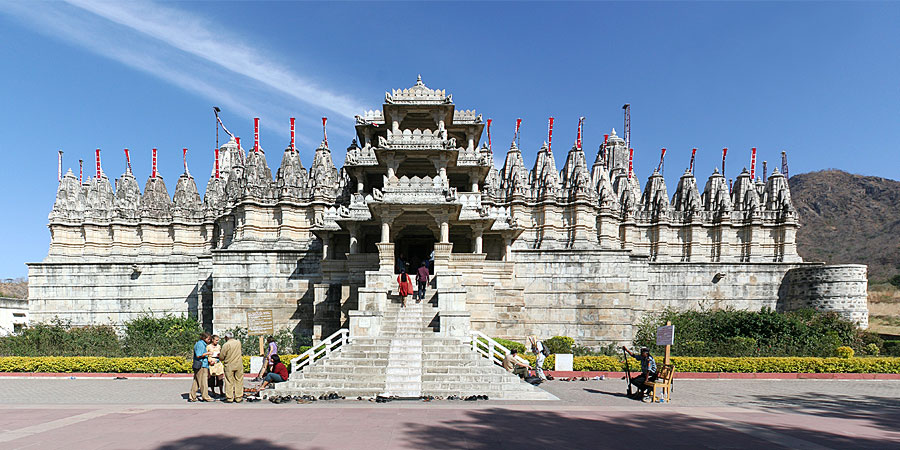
x: 406, y: 287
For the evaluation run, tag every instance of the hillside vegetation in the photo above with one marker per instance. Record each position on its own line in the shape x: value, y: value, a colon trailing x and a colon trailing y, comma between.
x: 849, y: 219
x: 14, y: 288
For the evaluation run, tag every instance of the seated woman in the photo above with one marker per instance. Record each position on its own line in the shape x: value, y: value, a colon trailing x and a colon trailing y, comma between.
x: 277, y: 373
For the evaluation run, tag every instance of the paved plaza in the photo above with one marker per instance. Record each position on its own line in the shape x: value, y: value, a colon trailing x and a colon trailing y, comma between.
x: 152, y: 414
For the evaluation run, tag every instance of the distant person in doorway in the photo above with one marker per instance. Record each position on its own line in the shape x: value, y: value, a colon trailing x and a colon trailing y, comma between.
x: 401, y: 264
x: 200, y: 366
x: 233, y: 359
x: 406, y: 287
x: 271, y: 349
x: 541, y: 352
x: 277, y: 373
x: 216, y: 368
x: 648, y: 372
x: 422, y: 277
x: 512, y: 364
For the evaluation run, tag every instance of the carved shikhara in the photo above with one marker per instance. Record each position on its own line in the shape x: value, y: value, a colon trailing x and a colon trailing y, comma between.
x: 254, y: 240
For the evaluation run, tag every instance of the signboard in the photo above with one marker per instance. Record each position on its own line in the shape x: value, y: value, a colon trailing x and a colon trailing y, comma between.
x: 665, y: 335
x: 259, y: 322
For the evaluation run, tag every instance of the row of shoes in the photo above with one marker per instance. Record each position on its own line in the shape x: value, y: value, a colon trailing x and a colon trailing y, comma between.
x: 573, y: 379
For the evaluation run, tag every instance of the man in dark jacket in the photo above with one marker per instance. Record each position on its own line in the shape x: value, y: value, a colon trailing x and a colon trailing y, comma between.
x: 648, y: 371
x: 422, y: 277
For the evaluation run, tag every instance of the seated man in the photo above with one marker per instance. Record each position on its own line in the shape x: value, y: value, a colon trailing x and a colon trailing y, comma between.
x: 648, y: 372
x: 512, y: 363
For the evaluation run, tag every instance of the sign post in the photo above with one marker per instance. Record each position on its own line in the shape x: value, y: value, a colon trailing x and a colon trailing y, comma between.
x: 666, y: 336
x: 260, y: 323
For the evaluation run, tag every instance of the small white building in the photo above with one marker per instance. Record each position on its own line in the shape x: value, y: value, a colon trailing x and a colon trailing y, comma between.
x: 13, y: 315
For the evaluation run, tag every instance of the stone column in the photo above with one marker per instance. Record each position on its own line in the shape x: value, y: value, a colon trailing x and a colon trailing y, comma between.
x: 475, y: 185
x: 445, y: 231
x: 326, y: 238
x: 507, y: 248
x: 385, y: 231
x: 477, y: 230
x: 354, y: 238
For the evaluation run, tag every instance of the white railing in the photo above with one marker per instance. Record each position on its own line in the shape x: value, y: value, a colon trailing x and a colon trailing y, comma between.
x: 489, y: 348
x: 331, y: 343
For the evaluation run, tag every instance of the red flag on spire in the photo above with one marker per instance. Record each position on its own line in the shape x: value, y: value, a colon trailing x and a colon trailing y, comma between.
x: 217, y: 163
x: 59, y: 167
x: 753, y: 163
x: 292, y: 133
x: 662, y: 157
x: 693, y: 152
x: 154, y: 164
x: 184, y: 158
x: 98, y: 163
x: 550, y: 136
x: 630, y: 162
x: 489, y: 133
x: 518, y: 123
x: 324, y: 132
x: 256, y: 134
x: 580, y: 127
x: 81, y: 171
x: 724, y: 152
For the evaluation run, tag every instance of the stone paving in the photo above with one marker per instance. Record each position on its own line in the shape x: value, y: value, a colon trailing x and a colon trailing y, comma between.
x: 152, y: 414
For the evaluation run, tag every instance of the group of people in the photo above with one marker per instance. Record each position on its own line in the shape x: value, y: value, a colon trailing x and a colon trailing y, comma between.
x: 222, y: 366
x: 513, y: 363
x: 405, y: 289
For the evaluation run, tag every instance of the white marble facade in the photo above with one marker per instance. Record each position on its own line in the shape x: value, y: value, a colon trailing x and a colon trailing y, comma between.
x: 582, y: 251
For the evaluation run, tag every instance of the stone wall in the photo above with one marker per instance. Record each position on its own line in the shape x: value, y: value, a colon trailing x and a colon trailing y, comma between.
x: 840, y: 288
x: 585, y: 294
x: 280, y: 280
x: 106, y: 292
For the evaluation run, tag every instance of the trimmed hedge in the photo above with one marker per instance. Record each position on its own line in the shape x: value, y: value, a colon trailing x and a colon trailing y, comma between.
x: 174, y: 364
x: 97, y: 364
x: 739, y: 365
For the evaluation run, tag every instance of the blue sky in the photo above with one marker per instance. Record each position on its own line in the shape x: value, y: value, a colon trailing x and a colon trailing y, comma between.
x: 820, y: 80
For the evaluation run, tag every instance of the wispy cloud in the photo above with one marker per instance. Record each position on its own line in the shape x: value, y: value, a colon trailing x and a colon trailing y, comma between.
x: 183, y: 50
x: 196, y: 36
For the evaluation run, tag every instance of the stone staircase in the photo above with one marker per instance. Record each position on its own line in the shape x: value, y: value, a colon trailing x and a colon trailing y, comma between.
x: 409, y: 360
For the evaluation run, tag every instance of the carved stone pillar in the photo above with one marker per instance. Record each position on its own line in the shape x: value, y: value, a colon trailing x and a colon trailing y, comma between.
x: 326, y: 238
x: 475, y: 185
x: 385, y: 232
x: 477, y: 231
x: 445, y: 231
x: 353, y: 228
x: 507, y: 248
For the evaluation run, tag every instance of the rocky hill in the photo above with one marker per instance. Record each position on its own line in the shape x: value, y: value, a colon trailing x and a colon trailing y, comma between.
x: 14, y: 288
x: 847, y: 218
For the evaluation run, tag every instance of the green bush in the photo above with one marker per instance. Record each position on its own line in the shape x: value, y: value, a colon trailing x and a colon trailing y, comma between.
x: 844, y: 352
x: 872, y: 349
x: 560, y: 344
x: 754, y: 333
x: 168, y: 335
x: 286, y: 340
x: 60, y: 338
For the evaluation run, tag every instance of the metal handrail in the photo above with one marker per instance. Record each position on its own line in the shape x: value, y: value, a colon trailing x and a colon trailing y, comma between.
x: 329, y: 344
x: 489, y: 348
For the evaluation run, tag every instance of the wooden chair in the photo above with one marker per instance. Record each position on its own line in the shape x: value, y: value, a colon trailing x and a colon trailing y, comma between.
x: 664, y: 381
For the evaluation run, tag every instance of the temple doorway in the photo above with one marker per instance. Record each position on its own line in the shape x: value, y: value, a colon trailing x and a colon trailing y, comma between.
x: 414, y: 244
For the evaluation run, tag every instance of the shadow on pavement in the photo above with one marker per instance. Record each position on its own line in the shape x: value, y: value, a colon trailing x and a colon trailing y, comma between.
x: 882, y: 412
x: 502, y: 428
x: 207, y: 442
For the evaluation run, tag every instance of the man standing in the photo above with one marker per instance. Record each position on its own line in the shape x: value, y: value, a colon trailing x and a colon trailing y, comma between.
x: 200, y: 366
x: 648, y: 371
x: 512, y: 364
x: 540, y: 351
x: 421, y: 281
x: 233, y: 360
